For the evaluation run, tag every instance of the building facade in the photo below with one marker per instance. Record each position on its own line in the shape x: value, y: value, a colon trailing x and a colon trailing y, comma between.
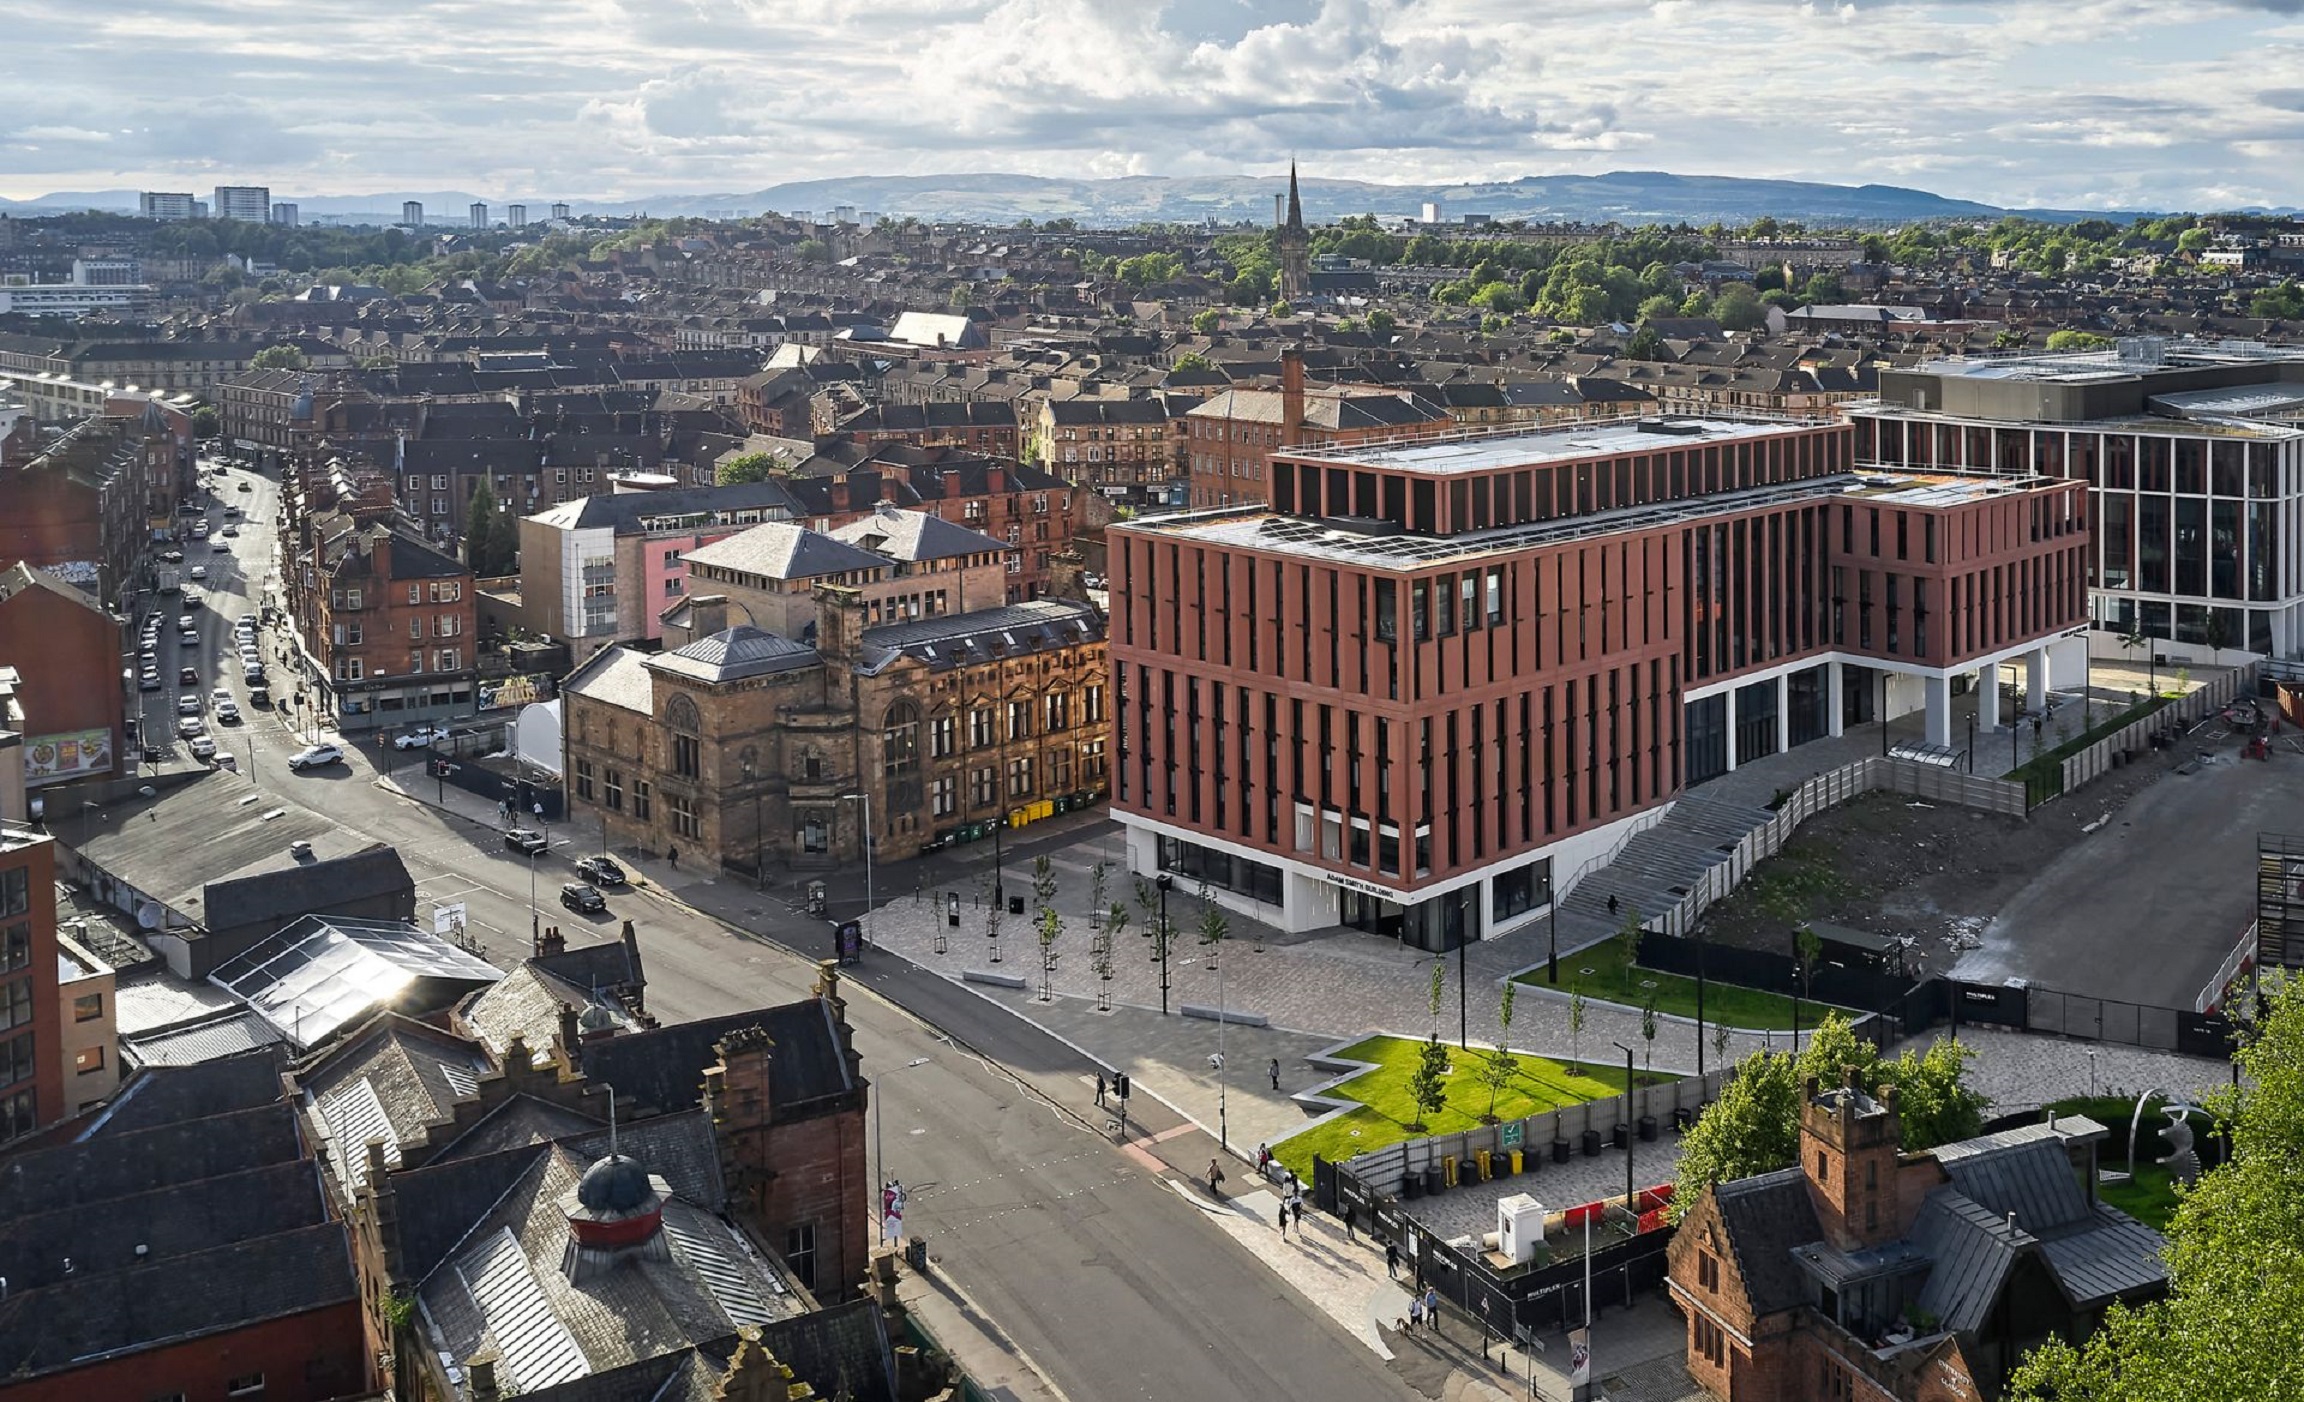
x: 251, y: 204
x: 386, y: 624
x: 32, y: 1073
x: 2194, y: 454
x: 1423, y: 678
x: 744, y: 749
x: 1230, y: 439
x: 66, y: 677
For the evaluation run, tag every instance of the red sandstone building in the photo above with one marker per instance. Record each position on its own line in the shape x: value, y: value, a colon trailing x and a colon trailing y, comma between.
x: 32, y: 1093
x: 1426, y: 676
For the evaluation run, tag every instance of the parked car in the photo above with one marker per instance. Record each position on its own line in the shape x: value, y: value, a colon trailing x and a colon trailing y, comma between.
x: 188, y: 639
x: 419, y: 737
x: 190, y: 726
x: 228, y: 712
x: 583, y: 899
x: 526, y: 840
x: 203, y: 747
x: 148, y: 679
x: 312, y: 757
x: 187, y: 705
x: 252, y: 673
x: 259, y: 694
x: 600, y: 871
x: 230, y: 529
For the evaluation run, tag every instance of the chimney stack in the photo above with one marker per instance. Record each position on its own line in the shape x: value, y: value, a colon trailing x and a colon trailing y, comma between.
x: 839, y: 622
x: 707, y: 614
x: 1291, y: 392
x: 481, y: 1369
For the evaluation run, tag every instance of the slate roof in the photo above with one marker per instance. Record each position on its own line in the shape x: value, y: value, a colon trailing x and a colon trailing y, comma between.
x: 662, y: 1070
x: 526, y: 1003
x: 1972, y: 1251
x: 211, y: 828
x: 298, y: 888
x: 782, y: 550
x: 732, y: 654
x: 413, y: 559
x: 225, y: 1036
x: 504, y: 1287
x: 964, y: 639
x: 616, y: 676
x: 916, y: 536
x: 1765, y: 1218
x: 94, y: 1171
x: 165, y: 1095
x: 623, y: 512
x: 394, y: 1080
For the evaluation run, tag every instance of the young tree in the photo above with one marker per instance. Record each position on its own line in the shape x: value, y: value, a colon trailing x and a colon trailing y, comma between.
x: 1428, y: 1086
x: 480, y: 529
x: 1576, y: 1029
x: 1502, y: 1065
x: 2235, y: 1257
x: 206, y: 423
x: 504, y: 542
x: 1648, y: 1034
x: 1047, y: 923
x: 1439, y: 976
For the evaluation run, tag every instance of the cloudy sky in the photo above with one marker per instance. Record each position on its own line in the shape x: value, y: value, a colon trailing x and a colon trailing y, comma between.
x: 2076, y: 103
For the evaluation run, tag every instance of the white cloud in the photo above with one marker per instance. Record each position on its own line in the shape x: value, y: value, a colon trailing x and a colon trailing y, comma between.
x: 2013, y: 101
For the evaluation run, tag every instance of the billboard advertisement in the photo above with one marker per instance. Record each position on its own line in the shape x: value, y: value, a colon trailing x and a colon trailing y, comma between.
x: 51, y: 759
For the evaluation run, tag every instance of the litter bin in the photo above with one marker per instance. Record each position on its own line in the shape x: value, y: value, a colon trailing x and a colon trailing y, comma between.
x: 1621, y: 1136
x: 1683, y: 1118
x: 1412, y: 1186
x: 1514, y: 1166
x: 1591, y: 1143
x: 1647, y: 1129
x: 1560, y: 1151
x: 1015, y: 905
x: 1434, y: 1184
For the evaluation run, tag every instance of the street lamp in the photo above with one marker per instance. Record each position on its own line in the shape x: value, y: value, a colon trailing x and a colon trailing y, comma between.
x: 1160, y: 937
x: 1631, y: 1134
x: 866, y: 799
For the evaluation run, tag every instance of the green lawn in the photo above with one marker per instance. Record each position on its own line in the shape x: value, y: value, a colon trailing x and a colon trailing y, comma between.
x: 1613, y: 980
x: 2149, y: 1197
x: 1386, y: 1111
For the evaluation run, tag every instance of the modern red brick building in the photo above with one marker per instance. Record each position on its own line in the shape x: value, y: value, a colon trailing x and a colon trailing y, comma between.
x: 1420, y: 678
x: 1230, y: 439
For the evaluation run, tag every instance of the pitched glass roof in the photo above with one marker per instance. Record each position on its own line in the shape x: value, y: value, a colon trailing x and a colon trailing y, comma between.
x: 320, y: 974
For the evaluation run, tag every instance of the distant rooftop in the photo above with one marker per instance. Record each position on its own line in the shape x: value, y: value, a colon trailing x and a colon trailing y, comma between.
x: 2132, y: 356
x: 1494, y: 452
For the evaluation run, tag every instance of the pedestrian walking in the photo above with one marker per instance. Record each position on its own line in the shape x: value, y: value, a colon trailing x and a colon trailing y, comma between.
x: 1415, y: 1311
x: 1283, y: 1221
x: 1432, y: 1307
x: 1392, y: 1260
x: 673, y: 856
x: 1215, y: 1176
x: 1296, y: 1206
x: 1611, y: 905
x: 1275, y: 1073
x: 1349, y: 1213
x: 1099, y: 1090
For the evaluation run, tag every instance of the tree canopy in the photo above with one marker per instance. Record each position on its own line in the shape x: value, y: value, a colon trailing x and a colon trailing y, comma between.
x: 1754, y: 1127
x: 2069, y: 340
x: 279, y: 358
x: 746, y: 467
x: 2235, y: 1258
x: 491, y: 534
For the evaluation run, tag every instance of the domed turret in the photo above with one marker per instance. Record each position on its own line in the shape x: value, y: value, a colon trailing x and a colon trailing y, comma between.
x: 614, y: 1213
x: 615, y: 1187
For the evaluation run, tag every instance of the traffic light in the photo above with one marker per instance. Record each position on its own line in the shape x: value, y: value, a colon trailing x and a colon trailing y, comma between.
x: 1120, y: 1084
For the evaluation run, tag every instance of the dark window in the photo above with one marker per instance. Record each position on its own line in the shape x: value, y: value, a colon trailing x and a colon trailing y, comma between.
x: 800, y: 1252
x: 687, y: 756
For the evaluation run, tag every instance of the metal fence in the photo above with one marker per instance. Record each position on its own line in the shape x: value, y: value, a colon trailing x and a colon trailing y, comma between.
x: 1825, y: 791
x: 2136, y: 737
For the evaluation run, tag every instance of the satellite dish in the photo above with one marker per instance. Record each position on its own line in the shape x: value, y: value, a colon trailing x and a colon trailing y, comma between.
x: 148, y: 915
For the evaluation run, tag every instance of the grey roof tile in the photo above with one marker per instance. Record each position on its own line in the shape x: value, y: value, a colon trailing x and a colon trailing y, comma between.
x: 1766, y: 1217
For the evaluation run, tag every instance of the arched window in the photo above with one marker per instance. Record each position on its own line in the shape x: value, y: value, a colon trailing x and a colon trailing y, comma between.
x: 687, y: 749
x: 900, y: 738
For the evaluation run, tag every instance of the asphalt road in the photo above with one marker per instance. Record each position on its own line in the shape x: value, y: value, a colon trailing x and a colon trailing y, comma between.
x: 1106, y: 1275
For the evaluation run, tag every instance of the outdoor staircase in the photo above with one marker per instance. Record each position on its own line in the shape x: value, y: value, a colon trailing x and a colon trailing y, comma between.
x: 1656, y: 868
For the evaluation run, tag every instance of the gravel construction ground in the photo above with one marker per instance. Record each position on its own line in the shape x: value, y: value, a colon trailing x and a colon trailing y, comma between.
x: 2118, y: 890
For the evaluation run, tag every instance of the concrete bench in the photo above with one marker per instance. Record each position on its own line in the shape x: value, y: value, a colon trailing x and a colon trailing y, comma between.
x: 1231, y: 1015
x: 996, y: 980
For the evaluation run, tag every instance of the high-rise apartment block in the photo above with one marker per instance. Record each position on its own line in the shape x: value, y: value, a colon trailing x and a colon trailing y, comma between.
x: 250, y: 204
x: 286, y: 215
x: 479, y: 215
x: 2194, y: 452
x: 167, y: 204
x: 516, y: 215
x: 1427, y: 678
x: 560, y: 212
x: 412, y: 213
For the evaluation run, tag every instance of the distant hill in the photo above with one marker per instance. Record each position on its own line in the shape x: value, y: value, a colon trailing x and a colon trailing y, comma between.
x: 1629, y: 197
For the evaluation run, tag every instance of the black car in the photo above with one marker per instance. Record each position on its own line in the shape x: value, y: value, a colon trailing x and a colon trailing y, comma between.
x: 526, y: 840
x: 600, y: 871
x: 583, y: 899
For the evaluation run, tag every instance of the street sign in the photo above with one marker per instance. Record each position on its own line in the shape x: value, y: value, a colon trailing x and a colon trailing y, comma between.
x: 448, y: 922
x: 1515, y: 1132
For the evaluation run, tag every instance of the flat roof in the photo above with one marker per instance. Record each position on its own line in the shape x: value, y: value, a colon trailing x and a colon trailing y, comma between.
x: 2204, y: 427
x: 2135, y: 357
x: 1496, y: 452
x: 1260, y: 528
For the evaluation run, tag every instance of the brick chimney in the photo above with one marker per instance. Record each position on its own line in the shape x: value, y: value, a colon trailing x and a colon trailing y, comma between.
x: 481, y: 1370
x: 550, y: 942
x: 1291, y: 391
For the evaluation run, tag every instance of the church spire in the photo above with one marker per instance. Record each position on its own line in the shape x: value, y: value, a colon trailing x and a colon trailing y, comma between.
x: 1295, y: 204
